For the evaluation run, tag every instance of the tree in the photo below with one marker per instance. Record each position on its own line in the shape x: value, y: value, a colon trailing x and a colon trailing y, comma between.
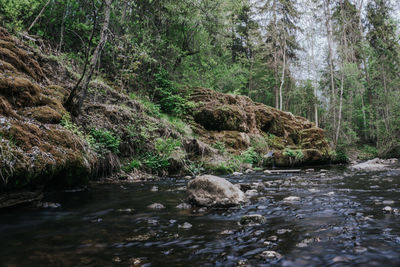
x: 74, y: 105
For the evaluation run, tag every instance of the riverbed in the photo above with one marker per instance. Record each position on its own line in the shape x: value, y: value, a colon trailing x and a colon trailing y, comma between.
x: 336, y: 218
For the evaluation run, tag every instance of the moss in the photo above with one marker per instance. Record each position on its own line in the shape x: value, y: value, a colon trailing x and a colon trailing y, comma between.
x: 44, y: 114
x: 19, y: 90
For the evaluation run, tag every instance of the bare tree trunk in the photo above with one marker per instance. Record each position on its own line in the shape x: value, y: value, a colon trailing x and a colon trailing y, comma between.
x: 340, y: 108
x: 62, y: 29
x: 251, y: 76
x: 328, y: 25
x: 97, y: 53
x: 283, y: 76
x: 275, y: 59
x: 315, y: 87
x: 39, y: 15
x: 69, y: 103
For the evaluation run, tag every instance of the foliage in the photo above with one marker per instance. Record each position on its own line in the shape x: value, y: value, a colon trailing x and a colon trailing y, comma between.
x: 220, y: 146
x: 250, y: 156
x: 339, y: 156
x: 226, y: 167
x: 158, y: 160
x: 296, y: 154
x: 105, y: 141
x: 368, y: 152
x: 130, y: 166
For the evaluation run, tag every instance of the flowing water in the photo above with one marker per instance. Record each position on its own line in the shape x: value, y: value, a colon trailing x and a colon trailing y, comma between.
x: 338, y: 221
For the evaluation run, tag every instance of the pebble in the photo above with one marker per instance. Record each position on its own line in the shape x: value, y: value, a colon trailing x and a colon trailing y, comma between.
x: 152, y: 221
x: 291, y: 199
x: 340, y: 259
x: 253, y: 219
x: 330, y: 194
x: 360, y: 249
x: 387, y: 209
x: 237, y: 173
x: 226, y: 232
x: 270, y: 254
x: 201, y: 210
x: 97, y: 220
x: 51, y: 205
x: 135, y: 261
x: 273, y: 238
x: 187, y: 177
x: 251, y: 193
x: 258, y: 232
x: 184, y: 206
x: 154, y: 189
x: 185, y: 225
x: 116, y: 259
x: 126, y: 210
x: 249, y: 171
x: 156, y: 206
x: 242, y: 263
x: 283, y: 231
x: 267, y: 172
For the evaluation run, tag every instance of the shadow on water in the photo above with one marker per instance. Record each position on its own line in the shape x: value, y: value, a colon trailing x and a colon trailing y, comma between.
x: 338, y: 220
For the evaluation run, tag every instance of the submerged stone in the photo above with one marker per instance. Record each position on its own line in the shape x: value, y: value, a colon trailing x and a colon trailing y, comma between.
x: 253, y: 219
x: 156, y: 206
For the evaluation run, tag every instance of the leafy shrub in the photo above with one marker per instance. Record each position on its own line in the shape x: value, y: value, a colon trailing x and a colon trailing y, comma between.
x: 134, y: 164
x: 226, y: 167
x: 220, y: 146
x: 250, y: 156
x: 339, y: 156
x: 105, y: 140
x: 67, y: 123
x: 159, y: 160
x: 368, y: 152
x: 196, y: 168
x: 170, y: 99
x: 155, y: 162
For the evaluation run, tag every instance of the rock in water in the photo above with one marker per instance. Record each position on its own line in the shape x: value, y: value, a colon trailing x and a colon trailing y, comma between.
x: 209, y: 190
x: 156, y: 206
x: 253, y: 219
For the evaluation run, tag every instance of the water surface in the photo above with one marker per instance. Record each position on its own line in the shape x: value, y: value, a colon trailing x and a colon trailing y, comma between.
x: 339, y: 221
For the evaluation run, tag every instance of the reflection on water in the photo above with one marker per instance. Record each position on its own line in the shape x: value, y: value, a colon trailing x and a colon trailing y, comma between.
x: 339, y: 220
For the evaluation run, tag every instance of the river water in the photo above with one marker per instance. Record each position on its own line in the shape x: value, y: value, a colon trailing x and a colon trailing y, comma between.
x: 338, y: 221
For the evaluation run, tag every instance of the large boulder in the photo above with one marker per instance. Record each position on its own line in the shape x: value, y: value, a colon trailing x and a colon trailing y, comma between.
x: 209, y: 190
x: 374, y: 165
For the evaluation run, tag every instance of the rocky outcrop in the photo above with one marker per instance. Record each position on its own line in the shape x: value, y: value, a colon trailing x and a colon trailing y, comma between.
x: 209, y: 190
x: 238, y: 122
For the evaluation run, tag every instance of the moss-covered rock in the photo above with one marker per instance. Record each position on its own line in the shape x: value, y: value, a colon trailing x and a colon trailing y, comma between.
x: 232, y: 119
x: 34, y: 148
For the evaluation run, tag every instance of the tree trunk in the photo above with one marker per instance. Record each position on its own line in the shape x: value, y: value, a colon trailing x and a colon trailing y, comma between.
x: 283, y: 75
x: 340, y: 108
x: 62, y: 29
x: 328, y: 25
x: 315, y: 87
x: 39, y: 15
x: 96, y: 54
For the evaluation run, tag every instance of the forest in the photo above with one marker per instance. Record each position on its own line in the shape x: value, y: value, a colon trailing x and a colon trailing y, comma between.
x: 335, y: 62
x: 199, y: 133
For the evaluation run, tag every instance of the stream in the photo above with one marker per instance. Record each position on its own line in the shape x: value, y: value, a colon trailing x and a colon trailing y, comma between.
x: 338, y: 220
